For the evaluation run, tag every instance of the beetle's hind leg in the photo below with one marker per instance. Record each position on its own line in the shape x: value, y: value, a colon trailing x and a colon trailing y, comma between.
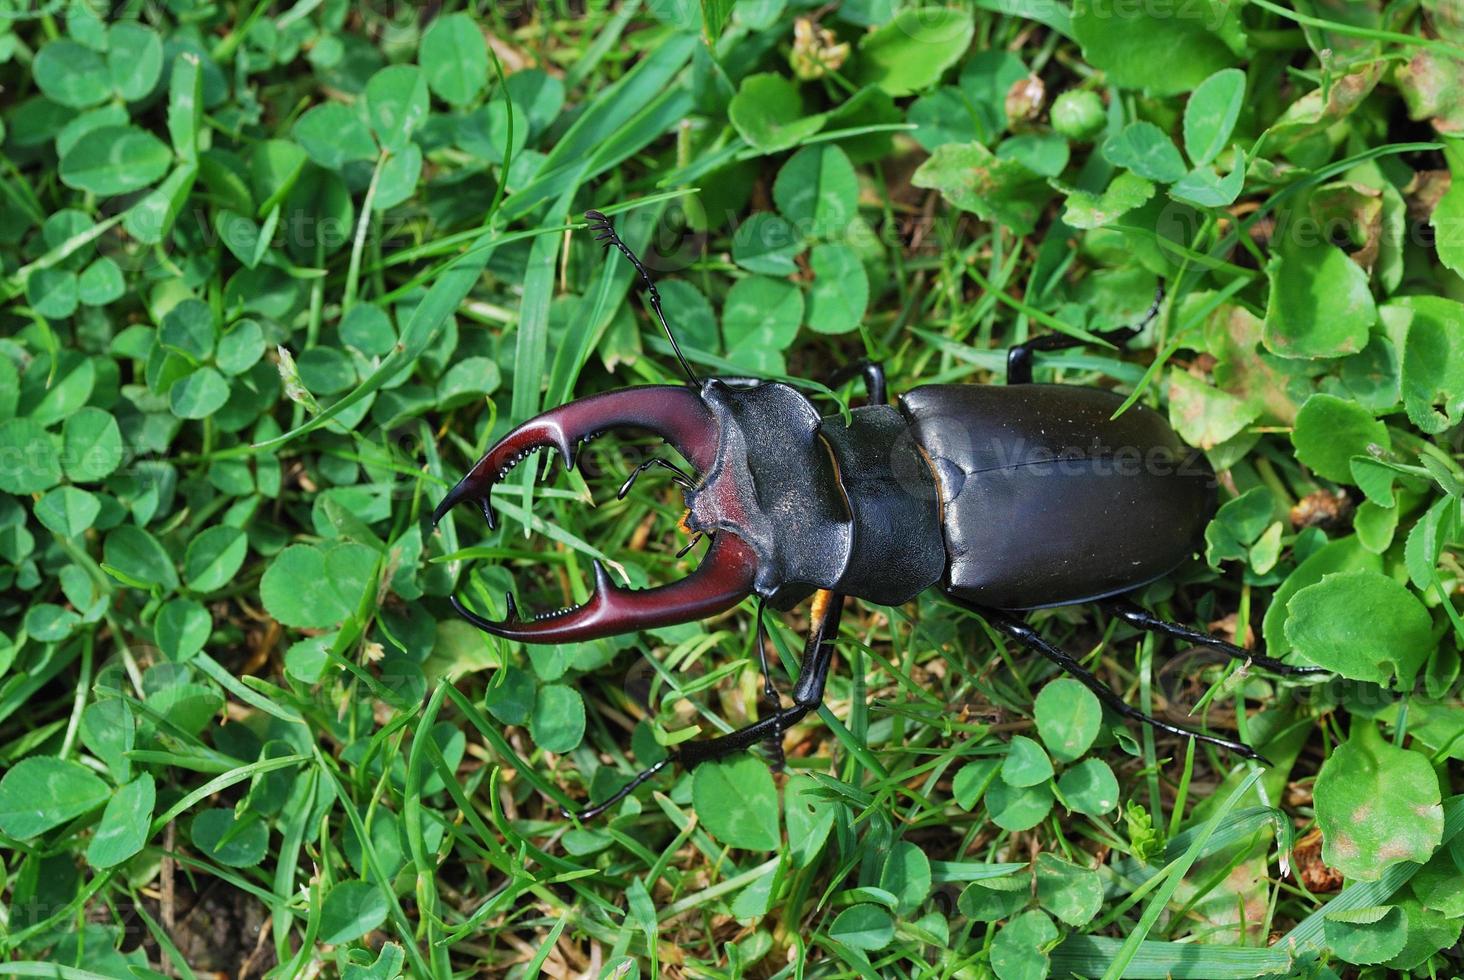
x: 1019, y: 358
x: 808, y: 693
x: 1137, y: 616
x: 1017, y: 629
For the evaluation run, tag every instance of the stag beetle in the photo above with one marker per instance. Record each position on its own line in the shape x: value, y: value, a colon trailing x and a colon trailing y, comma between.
x: 1006, y: 497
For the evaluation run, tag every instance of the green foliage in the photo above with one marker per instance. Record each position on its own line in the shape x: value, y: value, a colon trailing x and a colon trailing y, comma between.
x: 275, y: 275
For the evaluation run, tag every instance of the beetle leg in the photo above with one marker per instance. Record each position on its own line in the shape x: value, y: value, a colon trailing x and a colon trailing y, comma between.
x: 874, y: 379
x: 774, y: 742
x: 1024, y: 634
x: 680, y: 479
x: 1019, y: 358
x: 808, y: 693
x: 1137, y: 616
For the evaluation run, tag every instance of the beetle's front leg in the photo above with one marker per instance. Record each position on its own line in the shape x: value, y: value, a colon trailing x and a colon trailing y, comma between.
x: 808, y: 693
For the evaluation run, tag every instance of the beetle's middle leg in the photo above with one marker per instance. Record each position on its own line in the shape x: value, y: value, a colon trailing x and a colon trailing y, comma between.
x: 1019, y: 630
x: 1019, y: 358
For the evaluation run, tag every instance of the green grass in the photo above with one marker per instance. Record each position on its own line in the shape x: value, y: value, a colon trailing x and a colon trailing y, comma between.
x: 275, y: 275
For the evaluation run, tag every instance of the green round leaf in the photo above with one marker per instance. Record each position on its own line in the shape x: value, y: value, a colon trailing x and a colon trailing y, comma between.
x: 1120, y: 39
x: 125, y: 823
x: 993, y: 899
x: 1018, y: 807
x: 809, y: 819
x: 240, y: 348
x: 840, y: 293
x: 1072, y: 893
x: 454, y: 57
x: 1204, y: 188
x: 91, y: 445
x: 817, y: 191
x: 972, y: 780
x: 54, y: 293
x: 42, y: 792
x: 1329, y: 431
x: 199, y: 394
x: 1433, y: 355
x: 767, y: 111
x: 913, y: 50
x: 510, y: 696
x: 1025, y: 764
x: 1320, y: 305
x: 399, y: 176
x: 943, y: 116
x: 1377, y: 805
x: 367, y: 328
x: 29, y: 462
x: 737, y: 802
x: 468, y: 381
x: 1366, y: 936
x: 50, y: 623
x: 689, y: 310
x: 1143, y: 148
x: 864, y: 926
x: 396, y: 105
x: 182, y: 628
x: 232, y: 843
x: 1068, y: 718
x: 134, y: 59
x: 1210, y: 114
x: 71, y: 74
x: 189, y: 329
x: 308, y: 587
x: 557, y: 723
x: 100, y: 283
x: 214, y: 558
x: 68, y: 511
x: 759, y: 320
x: 1019, y: 950
x: 906, y: 875
x: 333, y: 135
x: 491, y: 131
x: 767, y: 243
x: 1363, y: 625
x: 972, y: 178
x: 1089, y: 787
x: 115, y: 160
x: 138, y: 556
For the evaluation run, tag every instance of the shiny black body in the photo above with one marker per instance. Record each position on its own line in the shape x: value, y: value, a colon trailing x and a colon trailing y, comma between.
x: 1012, y: 497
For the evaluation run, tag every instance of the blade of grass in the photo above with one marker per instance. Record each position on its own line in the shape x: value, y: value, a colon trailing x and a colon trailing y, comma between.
x: 1173, y: 875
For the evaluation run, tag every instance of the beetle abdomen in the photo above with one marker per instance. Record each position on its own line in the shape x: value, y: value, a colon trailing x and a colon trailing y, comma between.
x: 1048, y: 500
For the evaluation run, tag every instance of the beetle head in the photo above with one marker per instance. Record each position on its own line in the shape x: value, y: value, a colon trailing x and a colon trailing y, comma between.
x: 677, y: 414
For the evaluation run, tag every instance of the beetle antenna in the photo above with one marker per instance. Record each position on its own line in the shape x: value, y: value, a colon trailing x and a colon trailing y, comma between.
x: 605, y: 234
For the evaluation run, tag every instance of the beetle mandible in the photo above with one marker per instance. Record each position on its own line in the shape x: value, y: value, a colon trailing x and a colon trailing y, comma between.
x: 1007, y: 498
